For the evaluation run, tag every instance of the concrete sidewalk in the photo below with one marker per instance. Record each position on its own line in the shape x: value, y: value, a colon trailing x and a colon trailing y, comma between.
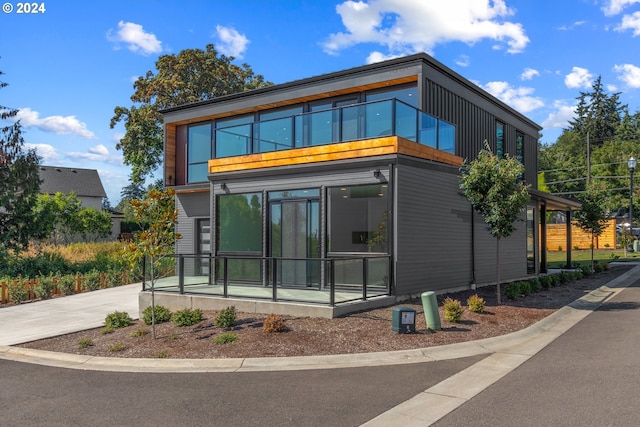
x: 58, y: 316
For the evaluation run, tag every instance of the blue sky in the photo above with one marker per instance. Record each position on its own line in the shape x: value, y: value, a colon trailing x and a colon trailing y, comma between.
x: 69, y: 66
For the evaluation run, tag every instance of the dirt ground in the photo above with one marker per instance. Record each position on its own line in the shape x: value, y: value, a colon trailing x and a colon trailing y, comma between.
x: 369, y: 331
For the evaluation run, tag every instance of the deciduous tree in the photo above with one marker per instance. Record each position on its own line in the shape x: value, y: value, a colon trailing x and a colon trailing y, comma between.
x: 592, y: 216
x: 19, y: 183
x: 494, y: 188
x: 190, y: 76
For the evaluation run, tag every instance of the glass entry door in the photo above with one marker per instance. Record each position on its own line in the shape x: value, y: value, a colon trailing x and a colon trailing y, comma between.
x: 295, y: 239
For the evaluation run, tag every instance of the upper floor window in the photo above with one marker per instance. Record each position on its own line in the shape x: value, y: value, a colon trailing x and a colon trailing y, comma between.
x: 407, y: 94
x: 520, y: 147
x: 233, y: 136
x: 499, y: 139
x: 198, y: 152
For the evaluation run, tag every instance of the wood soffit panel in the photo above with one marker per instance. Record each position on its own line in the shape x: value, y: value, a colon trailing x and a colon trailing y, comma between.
x: 300, y: 100
x: 332, y: 152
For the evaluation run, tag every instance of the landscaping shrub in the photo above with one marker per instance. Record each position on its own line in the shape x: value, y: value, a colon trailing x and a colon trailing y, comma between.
x: 92, y: 280
x: 274, y: 323
x: 599, y: 267
x: 67, y: 284
x: 46, y: 285
x: 525, y: 288
x: 85, y: 343
x: 512, y: 290
x: 586, y: 270
x: 117, y: 319
x: 475, y: 303
x: 452, y: 310
x: 546, y: 281
x: 534, y: 282
x: 115, y: 347
x: 162, y: 314
x: 562, y: 277
x: 186, y: 317
x: 226, y: 318
x: 17, y: 291
x: 228, y: 338
x: 139, y: 332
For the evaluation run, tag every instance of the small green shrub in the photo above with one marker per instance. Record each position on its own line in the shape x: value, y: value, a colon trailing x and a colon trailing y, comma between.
x: 106, y: 330
x: 226, y: 318
x: 600, y: 267
x: 45, y: 287
x: 67, y: 284
x: 186, y: 317
x: 117, y: 319
x: 512, y: 290
x: 586, y: 270
x: 18, y: 291
x: 559, y: 248
x: 139, y: 332
x: 85, y: 343
x: 274, y: 323
x: 452, y: 310
x: 113, y: 278
x: 228, y: 338
x: 534, y: 282
x: 525, y: 288
x: 115, y: 347
x: 475, y: 303
x: 546, y: 281
x: 92, y: 280
x: 162, y: 354
x: 162, y: 314
x: 562, y: 277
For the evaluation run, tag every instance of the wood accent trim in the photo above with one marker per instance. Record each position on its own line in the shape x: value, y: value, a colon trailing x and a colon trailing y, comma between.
x: 192, y: 190
x: 325, y: 153
x: 170, y: 152
x: 303, y: 99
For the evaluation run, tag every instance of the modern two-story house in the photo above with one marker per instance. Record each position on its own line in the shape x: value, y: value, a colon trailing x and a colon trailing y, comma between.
x: 346, y: 184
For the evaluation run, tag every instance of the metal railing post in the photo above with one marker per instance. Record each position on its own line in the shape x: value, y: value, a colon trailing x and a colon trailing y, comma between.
x: 225, y: 277
x: 332, y: 284
x: 181, y: 274
x: 364, y: 278
x: 274, y: 286
x: 144, y: 272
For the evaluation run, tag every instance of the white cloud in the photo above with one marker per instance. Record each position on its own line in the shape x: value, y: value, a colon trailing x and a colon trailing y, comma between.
x: 379, y: 57
x: 559, y: 119
x: 136, y: 39
x: 629, y: 74
x: 99, y: 153
x: 231, y: 42
x: 411, y: 26
x: 614, y: 7
x: 45, y: 151
x: 60, y: 125
x: 630, y: 22
x: 463, y: 61
x: 529, y: 73
x: 572, y: 26
x: 578, y: 78
x: 519, y: 98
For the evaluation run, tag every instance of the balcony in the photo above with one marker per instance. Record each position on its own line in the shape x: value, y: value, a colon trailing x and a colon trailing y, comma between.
x: 351, y: 123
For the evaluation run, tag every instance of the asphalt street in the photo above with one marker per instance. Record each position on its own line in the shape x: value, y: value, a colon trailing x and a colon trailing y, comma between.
x: 589, y: 376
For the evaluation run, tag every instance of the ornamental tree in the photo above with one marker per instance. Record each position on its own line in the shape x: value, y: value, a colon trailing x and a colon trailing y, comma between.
x: 592, y: 216
x: 495, y: 189
x: 155, y: 243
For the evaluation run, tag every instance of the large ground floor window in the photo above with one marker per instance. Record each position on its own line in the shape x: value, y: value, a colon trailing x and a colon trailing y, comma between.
x: 358, y: 218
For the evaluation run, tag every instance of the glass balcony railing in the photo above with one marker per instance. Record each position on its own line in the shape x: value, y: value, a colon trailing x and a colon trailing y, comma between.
x: 351, y: 123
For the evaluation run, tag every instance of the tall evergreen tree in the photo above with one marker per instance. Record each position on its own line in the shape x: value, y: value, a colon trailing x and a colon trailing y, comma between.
x: 190, y: 76
x: 19, y: 184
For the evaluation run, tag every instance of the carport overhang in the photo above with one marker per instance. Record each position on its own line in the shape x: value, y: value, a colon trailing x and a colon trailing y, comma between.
x: 548, y: 202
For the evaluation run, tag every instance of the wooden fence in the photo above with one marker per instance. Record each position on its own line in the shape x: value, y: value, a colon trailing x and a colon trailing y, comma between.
x: 557, y: 237
x: 30, y: 285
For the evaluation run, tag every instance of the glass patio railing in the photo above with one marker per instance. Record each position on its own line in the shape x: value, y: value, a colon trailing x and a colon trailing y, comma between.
x: 351, y: 123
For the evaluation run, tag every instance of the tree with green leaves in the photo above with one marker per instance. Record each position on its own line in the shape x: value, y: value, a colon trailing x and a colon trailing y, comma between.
x: 19, y: 184
x: 190, y: 76
x: 494, y: 188
x: 155, y: 243
x: 592, y: 216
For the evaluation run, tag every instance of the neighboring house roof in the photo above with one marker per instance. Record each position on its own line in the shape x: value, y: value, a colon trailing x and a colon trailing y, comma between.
x: 82, y: 182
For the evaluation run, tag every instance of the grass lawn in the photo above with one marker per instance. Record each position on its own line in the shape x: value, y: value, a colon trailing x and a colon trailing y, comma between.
x: 557, y: 259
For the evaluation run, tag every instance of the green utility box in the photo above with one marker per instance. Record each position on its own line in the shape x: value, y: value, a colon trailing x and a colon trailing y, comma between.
x: 403, y: 320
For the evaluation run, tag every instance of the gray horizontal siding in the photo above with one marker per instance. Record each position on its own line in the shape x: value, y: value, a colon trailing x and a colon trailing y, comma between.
x: 433, y: 231
x: 190, y: 206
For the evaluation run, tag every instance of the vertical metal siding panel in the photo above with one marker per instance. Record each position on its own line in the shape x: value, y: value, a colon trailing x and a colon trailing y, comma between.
x: 433, y: 228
